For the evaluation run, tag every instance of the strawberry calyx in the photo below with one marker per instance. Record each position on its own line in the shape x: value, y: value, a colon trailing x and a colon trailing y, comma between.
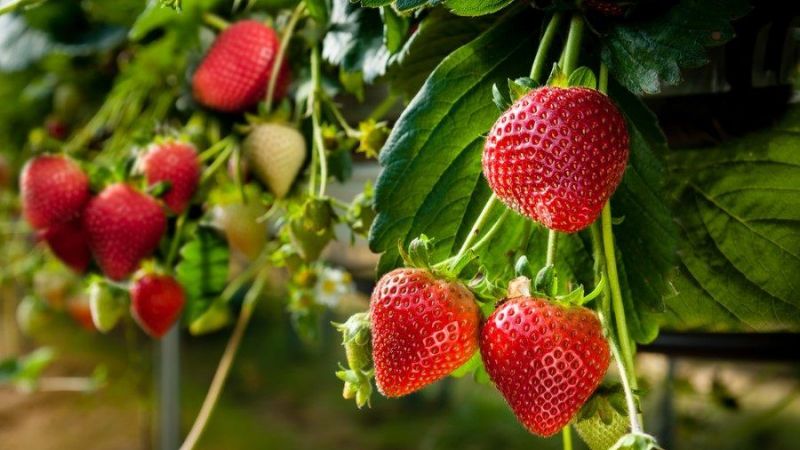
x: 607, y: 400
x: 636, y: 441
x: 357, y: 341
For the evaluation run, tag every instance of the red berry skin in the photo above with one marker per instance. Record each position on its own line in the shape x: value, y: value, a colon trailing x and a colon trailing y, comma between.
x: 54, y: 190
x: 557, y: 155
x: 69, y: 243
x: 176, y: 163
x: 545, y: 359
x: 156, y: 303
x: 124, y: 226
x: 423, y: 328
x: 233, y: 75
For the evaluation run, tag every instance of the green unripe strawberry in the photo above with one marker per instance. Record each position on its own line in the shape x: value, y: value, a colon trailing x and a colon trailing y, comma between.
x: 356, y: 340
x: 106, y: 308
x: 603, y: 419
x: 311, y: 229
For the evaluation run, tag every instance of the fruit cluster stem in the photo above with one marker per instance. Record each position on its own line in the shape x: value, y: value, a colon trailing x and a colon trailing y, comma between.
x: 552, y: 247
x: 316, y: 98
x: 573, y: 46
x: 297, y: 14
x: 537, y: 69
x: 616, y: 293
x: 475, y: 231
x: 225, y: 363
x: 17, y: 5
x: 215, y: 21
x: 566, y: 433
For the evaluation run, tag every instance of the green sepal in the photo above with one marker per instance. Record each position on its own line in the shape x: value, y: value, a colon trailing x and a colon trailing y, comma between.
x: 636, y: 441
x: 557, y: 77
x: 500, y: 99
x: 546, y: 280
x: 520, y: 87
x: 582, y: 77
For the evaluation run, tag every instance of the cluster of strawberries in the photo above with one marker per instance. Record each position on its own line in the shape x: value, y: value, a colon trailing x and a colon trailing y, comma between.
x: 555, y: 156
x: 119, y: 227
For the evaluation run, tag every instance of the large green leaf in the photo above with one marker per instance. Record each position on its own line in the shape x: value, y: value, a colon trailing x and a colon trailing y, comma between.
x: 438, y: 35
x: 739, y: 214
x: 643, y: 55
x: 431, y: 180
x: 646, y: 237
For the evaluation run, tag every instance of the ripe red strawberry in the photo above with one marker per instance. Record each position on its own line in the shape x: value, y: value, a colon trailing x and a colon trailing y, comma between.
x: 546, y: 359
x: 557, y: 155
x: 177, y: 163
x: 54, y: 190
x: 124, y: 226
x: 234, y: 74
x: 69, y: 243
x: 156, y: 303
x: 423, y: 328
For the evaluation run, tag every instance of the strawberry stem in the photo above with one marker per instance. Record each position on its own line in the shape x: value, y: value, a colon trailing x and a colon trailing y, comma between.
x: 215, y: 21
x: 616, y: 293
x: 475, y: 231
x: 18, y: 5
x: 297, y: 14
x: 539, y: 60
x: 225, y: 363
x: 316, y: 98
x: 573, y: 46
x: 383, y: 107
x: 176, y: 239
x: 566, y: 433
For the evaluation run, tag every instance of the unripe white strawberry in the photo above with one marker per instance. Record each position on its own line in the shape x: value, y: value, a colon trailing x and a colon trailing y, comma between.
x: 275, y: 153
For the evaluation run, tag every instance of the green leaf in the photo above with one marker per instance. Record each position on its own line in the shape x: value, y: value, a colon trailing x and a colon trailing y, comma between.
x: 739, y: 214
x: 431, y: 181
x: 319, y: 10
x: 203, y: 271
x: 584, y: 77
x: 24, y: 371
x: 395, y: 29
x: 645, y: 54
x: 355, y: 40
x: 474, y: 8
x: 437, y: 36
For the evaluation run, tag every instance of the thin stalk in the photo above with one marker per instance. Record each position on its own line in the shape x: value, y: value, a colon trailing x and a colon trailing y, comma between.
x: 176, y: 239
x: 537, y: 69
x: 566, y: 433
x: 384, y: 107
x: 285, y: 38
x: 616, y: 294
x: 492, y: 231
x: 212, y: 151
x: 225, y: 363
x: 316, y: 79
x: 476, y: 227
x: 337, y: 114
x: 602, y: 84
x: 573, y: 46
x: 218, y: 162
x: 603, y: 313
x: 215, y: 21
x: 552, y: 247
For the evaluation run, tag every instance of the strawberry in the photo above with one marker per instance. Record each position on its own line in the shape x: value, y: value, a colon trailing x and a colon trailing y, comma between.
x: 242, y: 229
x: 276, y: 153
x: 603, y: 421
x: 54, y: 190
x: 546, y: 359
x: 69, y: 243
x: 174, y: 162
x: 156, y: 303
x: 556, y: 155
x: 423, y: 328
x: 234, y: 73
x: 124, y: 226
